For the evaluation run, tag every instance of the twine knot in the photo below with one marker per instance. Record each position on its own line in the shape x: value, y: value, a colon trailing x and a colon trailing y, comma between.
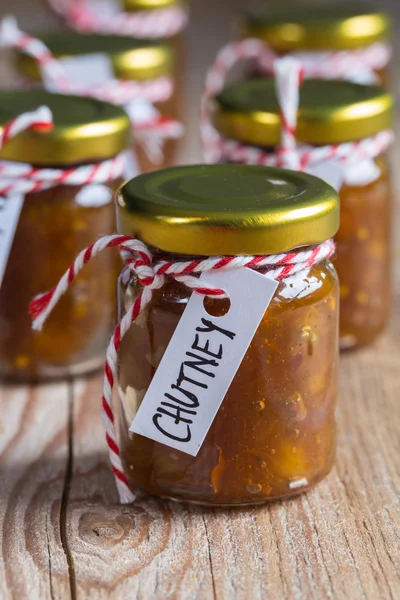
x: 152, y: 275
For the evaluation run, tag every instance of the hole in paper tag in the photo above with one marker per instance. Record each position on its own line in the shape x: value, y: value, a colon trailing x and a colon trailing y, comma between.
x: 216, y: 307
x: 94, y: 195
x: 201, y: 360
x: 10, y: 210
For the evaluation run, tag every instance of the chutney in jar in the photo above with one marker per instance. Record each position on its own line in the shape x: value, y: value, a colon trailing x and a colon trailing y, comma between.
x: 274, y: 434
x: 332, y: 113
x: 53, y: 226
x: 129, y: 59
x: 313, y: 31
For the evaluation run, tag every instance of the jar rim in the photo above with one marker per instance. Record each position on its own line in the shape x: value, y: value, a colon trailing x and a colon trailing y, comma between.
x: 85, y: 130
x: 229, y: 209
x: 316, y: 26
x: 136, y: 5
x: 131, y: 58
x: 330, y: 112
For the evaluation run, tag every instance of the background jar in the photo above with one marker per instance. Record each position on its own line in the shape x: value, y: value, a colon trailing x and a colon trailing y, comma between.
x: 333, y: 112
x: 311, y: 30
x: 55, y: 224
x: 130, y: 60
x: 274, y: 434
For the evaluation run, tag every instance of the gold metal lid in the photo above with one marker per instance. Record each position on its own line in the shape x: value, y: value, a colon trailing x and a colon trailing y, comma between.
x: 134, y: 5
x: 330, y: 112
x: 85, y: 129
x: 227, y: 209
x: 317, y: 26
x: 131, y: 58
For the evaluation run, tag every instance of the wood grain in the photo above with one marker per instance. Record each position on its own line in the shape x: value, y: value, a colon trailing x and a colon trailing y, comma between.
x: 63, y: 536
x: 340, y: 541
x: 33, y: 465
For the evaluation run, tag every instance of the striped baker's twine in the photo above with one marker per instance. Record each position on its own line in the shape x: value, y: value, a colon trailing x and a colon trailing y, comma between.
x: 161, y: 23
x: 115, y: 91
x: 152, y: 276
x: 151, y: 132
x: 21, y: 178
x: 289, y: 74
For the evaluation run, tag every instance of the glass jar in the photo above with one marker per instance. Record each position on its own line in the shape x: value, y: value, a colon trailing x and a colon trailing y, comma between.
x: 313, y: 30
x: 274, y: 433
x: 130, y: 59
x: 330, y: 113
x: 55, y: 224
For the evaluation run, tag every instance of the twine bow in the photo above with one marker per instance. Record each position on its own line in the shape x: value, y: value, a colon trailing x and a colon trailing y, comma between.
x: 160, y: 23
x: 152, y: 276
x: 151, y: 132
x: 289, y: 74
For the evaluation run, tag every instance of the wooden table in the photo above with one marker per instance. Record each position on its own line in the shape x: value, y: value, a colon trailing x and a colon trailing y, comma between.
x: 64, y: 535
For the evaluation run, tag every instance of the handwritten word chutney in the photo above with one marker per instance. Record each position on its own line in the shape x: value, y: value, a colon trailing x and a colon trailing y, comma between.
x: 274, y: 432
x: 343, y: 132
x: 64, y: 180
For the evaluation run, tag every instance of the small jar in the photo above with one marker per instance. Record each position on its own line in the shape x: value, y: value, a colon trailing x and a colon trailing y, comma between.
x: 331, y: 113
x: 313, y: 31
x: 129, y: 59
x: 274, y: 433
x: 53, y: 225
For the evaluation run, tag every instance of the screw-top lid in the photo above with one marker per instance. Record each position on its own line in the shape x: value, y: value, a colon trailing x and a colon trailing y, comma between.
x: 317, y: 26
x: 131, y: 58
x: 135, y: 5
x: 330, y: 112
x: 84, y: 129
x: 227, y: 209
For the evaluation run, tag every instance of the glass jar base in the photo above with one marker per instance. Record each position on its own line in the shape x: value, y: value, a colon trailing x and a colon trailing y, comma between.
x: 240, y: 504
x: 48, y: 373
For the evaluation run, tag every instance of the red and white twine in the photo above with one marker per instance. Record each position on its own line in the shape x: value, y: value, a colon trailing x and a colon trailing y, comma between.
x: 289, y: 74
x: 22, y: 178
x: 152, y: 276
x: 152, y: 132
x: 160, y: 23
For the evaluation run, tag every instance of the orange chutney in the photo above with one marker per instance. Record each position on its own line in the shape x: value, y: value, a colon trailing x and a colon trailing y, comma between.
x: 54, y: 225
x: 333, y: 112
x: 274, y: 434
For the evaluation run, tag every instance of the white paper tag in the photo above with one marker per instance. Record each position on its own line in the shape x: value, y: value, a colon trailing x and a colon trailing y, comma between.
x: 201, y: 360
x: 10, y: 210
x: 131, y: 165
x: 84, y: 70
x: 362, y: 172
x: 336, y: 173
x: 104, y: 8
x: 141, y: 111
x: 94, y: 195
x: 331, y: 171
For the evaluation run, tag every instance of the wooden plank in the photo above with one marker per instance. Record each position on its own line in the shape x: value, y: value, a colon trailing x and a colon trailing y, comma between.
x: 33, y: 467
x: 340, y: 541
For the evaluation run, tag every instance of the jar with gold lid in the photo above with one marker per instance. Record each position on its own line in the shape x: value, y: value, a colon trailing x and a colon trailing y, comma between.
x: 345, y: 128
x: 56, y: 191
x: 115, y: 61
x: 273, y: 434
x: 325, y: 34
